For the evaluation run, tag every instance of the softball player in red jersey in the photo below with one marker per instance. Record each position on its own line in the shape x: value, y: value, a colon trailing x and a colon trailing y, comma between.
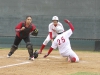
x: 63, y: 43
x: 23, y: 29
x: 52, y: 32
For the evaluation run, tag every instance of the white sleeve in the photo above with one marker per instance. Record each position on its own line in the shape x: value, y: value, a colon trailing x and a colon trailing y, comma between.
x: 54, y: 44
x: 61, y: 25
x: 50, y: 27
x: 68, y: 33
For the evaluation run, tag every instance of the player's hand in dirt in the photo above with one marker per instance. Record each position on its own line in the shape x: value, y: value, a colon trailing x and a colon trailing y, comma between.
x: 22, y: 28
x: 67, y: 21
x: 45, y: 55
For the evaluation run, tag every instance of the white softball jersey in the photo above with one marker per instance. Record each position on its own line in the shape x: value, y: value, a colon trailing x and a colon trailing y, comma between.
x: 62, y: 41
x: 52, y: 28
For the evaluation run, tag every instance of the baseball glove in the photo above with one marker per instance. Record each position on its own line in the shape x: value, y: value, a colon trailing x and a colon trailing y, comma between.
x: 35, y: 32
x: 35, y: 54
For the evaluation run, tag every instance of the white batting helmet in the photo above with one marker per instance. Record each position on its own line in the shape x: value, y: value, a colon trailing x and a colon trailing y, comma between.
x: 55, y: 18
x: 59, y: 29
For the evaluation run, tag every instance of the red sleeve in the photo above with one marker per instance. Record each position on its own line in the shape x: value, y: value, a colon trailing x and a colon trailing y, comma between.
x: 71, y: 26
x: 33, y: 27
x: 50, y: 33
x: 50, y: 50
x: 19, y: 26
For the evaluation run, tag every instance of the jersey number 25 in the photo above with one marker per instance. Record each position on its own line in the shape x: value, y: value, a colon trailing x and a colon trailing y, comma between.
x: 61, y: 40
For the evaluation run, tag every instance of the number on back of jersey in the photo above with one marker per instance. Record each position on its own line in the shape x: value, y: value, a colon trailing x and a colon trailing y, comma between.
x: 61, y: 40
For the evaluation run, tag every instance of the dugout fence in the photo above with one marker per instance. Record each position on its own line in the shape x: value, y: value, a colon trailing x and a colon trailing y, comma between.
x: 84, y: 15
x: 76, y: 43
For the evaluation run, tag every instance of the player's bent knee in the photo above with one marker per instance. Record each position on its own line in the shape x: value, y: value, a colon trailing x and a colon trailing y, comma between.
x: 15, y: 47
x: 73, y: 59
x: 29, y: 46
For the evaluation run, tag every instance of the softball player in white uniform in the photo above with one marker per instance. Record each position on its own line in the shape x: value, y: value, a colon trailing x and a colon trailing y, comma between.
x: 63, y: 43
x: 52, y: 32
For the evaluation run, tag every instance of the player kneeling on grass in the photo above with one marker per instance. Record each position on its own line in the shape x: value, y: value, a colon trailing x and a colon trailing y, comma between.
x: 23, y: 29
x: 63, y: 43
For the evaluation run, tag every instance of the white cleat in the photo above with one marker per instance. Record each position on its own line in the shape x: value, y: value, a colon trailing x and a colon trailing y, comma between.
x: 31, y: 58
x: 8, y: 56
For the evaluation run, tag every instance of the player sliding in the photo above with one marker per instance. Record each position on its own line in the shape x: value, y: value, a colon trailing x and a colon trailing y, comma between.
x: 52, y: 32
x: 23, y: 29
x: 63, y: 43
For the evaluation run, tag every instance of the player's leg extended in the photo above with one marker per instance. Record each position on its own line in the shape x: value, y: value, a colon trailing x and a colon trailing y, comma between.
x: 44, y: 44
x: 29, y: 46
x: 14, y: 46
x: 73, y: 56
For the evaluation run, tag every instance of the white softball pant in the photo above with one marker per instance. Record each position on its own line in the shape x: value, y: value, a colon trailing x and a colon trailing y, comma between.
x: 48, y: 39
x: 70, y: 54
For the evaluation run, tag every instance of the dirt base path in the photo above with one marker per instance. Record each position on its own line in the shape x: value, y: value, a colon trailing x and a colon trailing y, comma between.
x: 54, y: 64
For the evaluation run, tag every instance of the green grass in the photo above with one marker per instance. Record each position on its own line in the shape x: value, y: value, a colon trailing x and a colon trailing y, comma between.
x: 85, y: 73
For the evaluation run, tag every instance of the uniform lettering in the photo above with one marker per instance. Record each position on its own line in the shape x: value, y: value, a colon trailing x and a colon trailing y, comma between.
x: 61, y: 40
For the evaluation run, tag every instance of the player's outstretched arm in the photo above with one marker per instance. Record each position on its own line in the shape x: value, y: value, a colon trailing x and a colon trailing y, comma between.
x: 70, y: 24
x: 50, y: 50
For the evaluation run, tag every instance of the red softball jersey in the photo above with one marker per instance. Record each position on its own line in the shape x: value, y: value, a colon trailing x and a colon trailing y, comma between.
x: 24, y: 33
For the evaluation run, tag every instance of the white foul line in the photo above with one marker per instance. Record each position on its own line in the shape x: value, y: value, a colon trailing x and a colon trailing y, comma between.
x: 44, y: 59
x: 55, y: 57
x: 14, y: 65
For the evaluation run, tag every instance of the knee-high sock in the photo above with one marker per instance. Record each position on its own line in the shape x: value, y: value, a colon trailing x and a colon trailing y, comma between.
x: 42, y: 47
